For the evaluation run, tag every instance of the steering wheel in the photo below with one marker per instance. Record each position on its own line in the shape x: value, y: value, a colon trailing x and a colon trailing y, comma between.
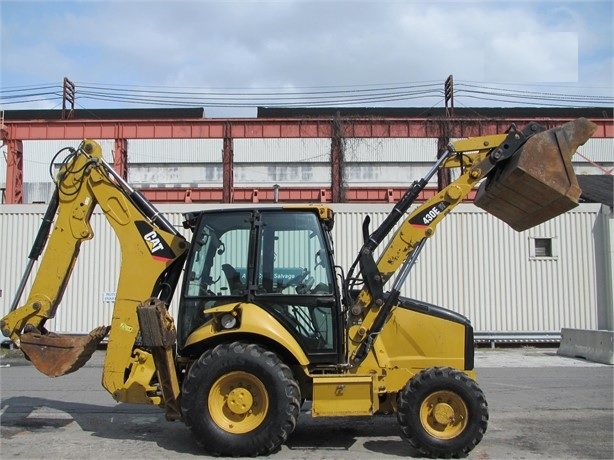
x: 204, y: 291
x: 299, y: 280
x: 305, y: 286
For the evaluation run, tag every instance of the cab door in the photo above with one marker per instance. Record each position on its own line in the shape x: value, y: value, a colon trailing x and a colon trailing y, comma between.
x: 294, y: 280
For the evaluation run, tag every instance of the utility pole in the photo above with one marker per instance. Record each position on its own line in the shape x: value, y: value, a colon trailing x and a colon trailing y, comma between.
x: 443, y: 175
x: 68, y: 96
x: 448, y: 91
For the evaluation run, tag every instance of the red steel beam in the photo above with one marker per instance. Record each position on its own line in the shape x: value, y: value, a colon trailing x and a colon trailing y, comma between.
x: 228, y: 167
x: 14, y: 132
x: 14, y: 172
x: 120, y: 158
x: 214, y: 128
x: 336, y: 164
x: 286, y: 195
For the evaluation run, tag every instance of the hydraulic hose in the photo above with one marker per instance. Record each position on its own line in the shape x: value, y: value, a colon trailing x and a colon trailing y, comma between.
x: 38, y: 245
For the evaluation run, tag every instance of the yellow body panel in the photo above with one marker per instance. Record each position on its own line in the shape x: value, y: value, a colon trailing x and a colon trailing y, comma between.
x: 341, y: 396
x: 410, y: 342
x: 253, y: 320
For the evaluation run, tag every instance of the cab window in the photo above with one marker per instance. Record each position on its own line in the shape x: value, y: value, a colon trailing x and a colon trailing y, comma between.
x: 219, y: 261
x: 292, y: 255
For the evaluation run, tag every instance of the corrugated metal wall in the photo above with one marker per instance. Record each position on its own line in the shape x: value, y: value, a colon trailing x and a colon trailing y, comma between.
x: 285, y: 150
x: 265, y: 162
x: 37, y: 156
x: 369, y: 161
x: 179, y: 162
x: 144, y: 151
x: 283, y: 174
x: 595, y: 151
x: 474, y: 264
x: 598, y: 150
x: 176, y: 174
x: 306, y: 150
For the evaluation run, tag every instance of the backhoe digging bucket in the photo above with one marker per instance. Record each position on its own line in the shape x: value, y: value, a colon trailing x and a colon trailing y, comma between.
x: 58, y: 354
x: 538, y: 182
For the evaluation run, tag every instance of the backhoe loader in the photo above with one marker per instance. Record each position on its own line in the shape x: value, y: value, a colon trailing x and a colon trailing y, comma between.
x: 266, y: 319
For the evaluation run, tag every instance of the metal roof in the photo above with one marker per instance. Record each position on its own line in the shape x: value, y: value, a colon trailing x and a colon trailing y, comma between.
x: 105, y: 114
x: 597, y: 189
x: 439, y: 112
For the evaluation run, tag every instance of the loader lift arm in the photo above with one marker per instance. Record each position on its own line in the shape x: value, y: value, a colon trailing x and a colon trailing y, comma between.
x: 152, y: 254
x: 478, y: 158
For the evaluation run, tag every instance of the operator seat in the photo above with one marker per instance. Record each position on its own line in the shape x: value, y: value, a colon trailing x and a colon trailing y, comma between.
x: 234, y: 279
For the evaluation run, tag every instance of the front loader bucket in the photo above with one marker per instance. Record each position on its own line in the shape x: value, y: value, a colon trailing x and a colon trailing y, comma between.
x: 538, y: 182
x: 60, y: 354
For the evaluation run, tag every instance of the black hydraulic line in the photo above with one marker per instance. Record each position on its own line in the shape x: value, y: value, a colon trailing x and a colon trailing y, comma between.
x: 507, y: 148
x: 148, y: 209
x: 165, y: 287
x: 378, y: 324
x: 402, y: 206
x: 389, y: 302
x: 142, y: 203
x: 38, y: 245
x: 45, y: 228
x: 395, y: 215
x: 365, y: 255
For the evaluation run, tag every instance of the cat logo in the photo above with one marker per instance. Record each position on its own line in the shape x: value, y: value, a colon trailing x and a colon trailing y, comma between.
x: 158, y: 248
x: 155, y: 244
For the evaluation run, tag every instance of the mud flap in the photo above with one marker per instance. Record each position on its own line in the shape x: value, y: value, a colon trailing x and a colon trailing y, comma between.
x: 538, y: 182
x: 59, y: 354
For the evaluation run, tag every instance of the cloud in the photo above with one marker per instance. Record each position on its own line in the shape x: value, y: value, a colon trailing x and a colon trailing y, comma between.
x: 531, y: 57
x: 298, y: 44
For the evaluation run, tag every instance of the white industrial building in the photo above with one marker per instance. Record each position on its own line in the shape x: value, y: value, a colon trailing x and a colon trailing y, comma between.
x: 287, y: 162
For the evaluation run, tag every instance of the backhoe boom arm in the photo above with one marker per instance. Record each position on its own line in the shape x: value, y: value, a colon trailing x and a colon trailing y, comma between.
x: 152, y: 255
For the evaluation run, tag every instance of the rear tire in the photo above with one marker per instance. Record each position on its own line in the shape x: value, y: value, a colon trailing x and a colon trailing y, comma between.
x: 240, y: 400
x: 442, y: 412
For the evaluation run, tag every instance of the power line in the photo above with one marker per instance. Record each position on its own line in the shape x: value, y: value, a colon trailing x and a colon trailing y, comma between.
x: 309, y: 96
x: 530, y: 94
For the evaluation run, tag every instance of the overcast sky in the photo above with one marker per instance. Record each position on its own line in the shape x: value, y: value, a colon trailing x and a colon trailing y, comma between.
x: 273, y: 46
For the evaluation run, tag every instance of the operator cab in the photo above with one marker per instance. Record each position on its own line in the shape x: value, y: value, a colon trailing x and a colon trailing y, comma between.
x: 279, y: 259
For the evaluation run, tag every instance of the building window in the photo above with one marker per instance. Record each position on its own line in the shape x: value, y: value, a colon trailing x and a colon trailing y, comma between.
x: 541, y: 248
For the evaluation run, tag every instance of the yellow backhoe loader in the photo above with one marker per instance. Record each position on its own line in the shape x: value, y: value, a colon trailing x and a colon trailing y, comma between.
x: 266, y: 318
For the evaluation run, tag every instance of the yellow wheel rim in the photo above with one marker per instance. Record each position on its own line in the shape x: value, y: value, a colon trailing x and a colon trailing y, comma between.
x: 238, y: 402
x: 444, y: 414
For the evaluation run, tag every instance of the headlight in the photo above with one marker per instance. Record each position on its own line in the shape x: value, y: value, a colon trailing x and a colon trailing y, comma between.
x: 228, y: 321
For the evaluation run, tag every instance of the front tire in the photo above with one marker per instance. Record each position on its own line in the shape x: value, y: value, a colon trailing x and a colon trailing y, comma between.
x: 442, y: 412
x: 240, y: 400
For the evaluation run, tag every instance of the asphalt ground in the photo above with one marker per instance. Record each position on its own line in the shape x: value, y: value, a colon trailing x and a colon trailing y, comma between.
x: 542, y: 406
